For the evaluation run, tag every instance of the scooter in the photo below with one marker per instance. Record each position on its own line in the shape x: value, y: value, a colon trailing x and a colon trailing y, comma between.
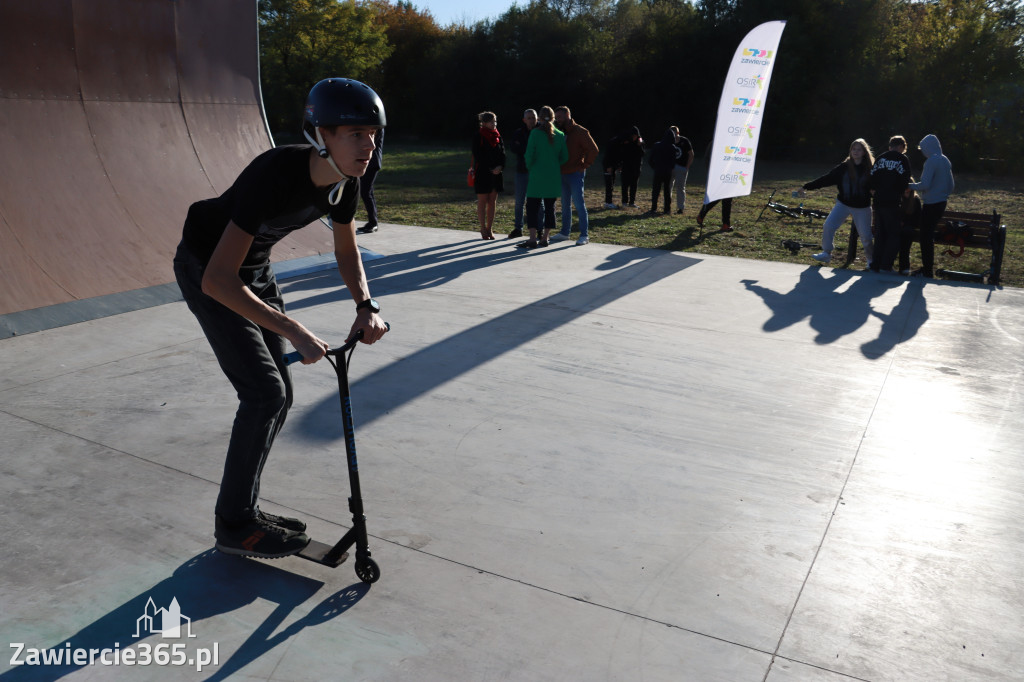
x: 320, y: 552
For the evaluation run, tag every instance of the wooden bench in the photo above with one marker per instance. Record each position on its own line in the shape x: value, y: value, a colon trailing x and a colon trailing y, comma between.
x: 954, y: 233
x: 959, y: 231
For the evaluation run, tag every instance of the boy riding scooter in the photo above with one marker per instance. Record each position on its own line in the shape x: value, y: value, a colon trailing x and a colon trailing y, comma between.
x: 223, y: 269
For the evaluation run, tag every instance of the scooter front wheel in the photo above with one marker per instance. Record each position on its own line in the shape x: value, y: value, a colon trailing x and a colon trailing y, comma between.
x: 368, y: 571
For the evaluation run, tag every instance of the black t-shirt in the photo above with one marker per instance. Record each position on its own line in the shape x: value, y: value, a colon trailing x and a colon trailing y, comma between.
x: 685, y: 148
x: 271, y: 198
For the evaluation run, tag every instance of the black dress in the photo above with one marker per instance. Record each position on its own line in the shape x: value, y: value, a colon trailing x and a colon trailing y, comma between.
x: 487, y: 157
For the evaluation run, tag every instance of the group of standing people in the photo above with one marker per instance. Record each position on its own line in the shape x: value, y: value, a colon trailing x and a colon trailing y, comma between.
x: 553, y: 153
x: 880, y: 195
x: 670, y: 159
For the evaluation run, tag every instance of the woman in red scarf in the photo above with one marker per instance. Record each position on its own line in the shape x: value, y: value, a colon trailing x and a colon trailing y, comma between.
x: 488, y: 163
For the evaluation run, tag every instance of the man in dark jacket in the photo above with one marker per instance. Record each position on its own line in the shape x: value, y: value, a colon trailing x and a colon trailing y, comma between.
x: 612, y: 163
x: 631, y: 155
x: 664, y: 156
x: 517, y: 145
x: 889, y: 178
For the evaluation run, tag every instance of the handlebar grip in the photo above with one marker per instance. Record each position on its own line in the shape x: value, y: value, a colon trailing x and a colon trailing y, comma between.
x: 296, y: 356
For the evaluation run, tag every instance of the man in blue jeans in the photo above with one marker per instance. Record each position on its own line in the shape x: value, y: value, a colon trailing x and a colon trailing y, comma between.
x: 582, y: 153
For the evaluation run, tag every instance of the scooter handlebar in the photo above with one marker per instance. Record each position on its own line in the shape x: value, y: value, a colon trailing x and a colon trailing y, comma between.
x: 296, y: 356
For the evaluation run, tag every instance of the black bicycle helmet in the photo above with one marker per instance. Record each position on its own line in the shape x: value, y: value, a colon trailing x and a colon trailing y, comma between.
x: 342, y: 102
x: 339, y: 102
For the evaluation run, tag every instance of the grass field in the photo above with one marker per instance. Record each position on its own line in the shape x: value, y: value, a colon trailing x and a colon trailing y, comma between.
x: 426, y: 186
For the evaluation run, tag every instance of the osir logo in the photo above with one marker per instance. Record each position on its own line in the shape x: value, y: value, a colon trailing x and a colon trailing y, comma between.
x: 755, y: 82
x: 739, y: 130
x: 739, y: 178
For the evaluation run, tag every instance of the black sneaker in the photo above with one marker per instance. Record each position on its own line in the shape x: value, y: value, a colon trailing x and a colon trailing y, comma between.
x: 514, y: 234
x: 258, y: 538
x: 368, y: 228
x: 286, y: 522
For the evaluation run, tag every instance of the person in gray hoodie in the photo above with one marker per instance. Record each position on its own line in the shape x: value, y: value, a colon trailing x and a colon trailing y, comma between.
x: 935, y: 187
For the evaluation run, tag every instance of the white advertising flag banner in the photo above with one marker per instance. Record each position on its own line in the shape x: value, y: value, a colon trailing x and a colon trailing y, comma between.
x: 738, y: 128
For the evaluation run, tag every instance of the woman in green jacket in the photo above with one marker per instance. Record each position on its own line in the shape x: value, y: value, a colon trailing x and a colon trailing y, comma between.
x: 545, y: 153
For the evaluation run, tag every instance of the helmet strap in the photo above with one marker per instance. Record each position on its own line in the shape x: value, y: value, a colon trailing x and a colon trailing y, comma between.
x: 321, y: 149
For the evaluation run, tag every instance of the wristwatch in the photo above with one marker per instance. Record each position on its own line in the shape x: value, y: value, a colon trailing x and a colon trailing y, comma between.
x: 369, y: 303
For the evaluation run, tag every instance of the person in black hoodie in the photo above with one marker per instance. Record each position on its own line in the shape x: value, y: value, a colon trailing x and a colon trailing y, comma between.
x: 890, y: 176
x: 664, y: 156
x: 631, y: 155
x: 851, y: 177
x: 612, y: 162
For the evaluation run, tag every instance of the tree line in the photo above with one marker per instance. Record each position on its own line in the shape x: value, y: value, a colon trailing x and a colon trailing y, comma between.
x: 870, y: 68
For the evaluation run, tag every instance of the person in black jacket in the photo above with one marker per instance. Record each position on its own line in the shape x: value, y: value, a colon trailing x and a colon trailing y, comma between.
x: 851, y: 177
x: 631, y: 155
x: 612, y: 163
x: 664, y: 156
x: 517, y: 145
x: 890, y: 176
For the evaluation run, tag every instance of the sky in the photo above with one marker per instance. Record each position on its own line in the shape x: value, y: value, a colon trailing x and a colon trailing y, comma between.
x: 446, y: 12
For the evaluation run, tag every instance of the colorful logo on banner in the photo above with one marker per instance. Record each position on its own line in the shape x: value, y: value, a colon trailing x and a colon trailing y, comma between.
x: 754, y: 82
x: 752, y: 55
x: 739, y: 152
x: 740, y: 130
x: 737, y: 178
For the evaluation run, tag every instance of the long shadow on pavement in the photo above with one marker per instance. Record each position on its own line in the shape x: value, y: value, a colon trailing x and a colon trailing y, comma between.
x: 417, y: 374
x: 834, y: 314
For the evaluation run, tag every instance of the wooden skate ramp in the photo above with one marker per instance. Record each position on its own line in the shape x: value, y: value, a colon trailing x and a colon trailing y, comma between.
x: 115, y: 115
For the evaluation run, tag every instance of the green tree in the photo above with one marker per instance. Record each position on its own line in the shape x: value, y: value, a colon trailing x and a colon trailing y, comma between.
x: 304, y: 41
x: 415, y: 35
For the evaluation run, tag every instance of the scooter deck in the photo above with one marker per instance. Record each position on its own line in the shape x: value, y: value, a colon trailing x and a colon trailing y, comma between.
x: 321, y: 553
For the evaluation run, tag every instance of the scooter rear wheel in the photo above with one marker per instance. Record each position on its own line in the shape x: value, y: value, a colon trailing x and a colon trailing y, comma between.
x: 368, y: 571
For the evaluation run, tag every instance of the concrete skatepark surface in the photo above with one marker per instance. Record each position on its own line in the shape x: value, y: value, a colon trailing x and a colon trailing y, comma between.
x: 593, y: 463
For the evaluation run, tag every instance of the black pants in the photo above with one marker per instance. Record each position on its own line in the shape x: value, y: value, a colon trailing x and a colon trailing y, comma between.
x: 888, y: 226
x: 609, y: 186
x: 366, y: 192
x: 662, y: 181
x: 533, y: 212
x: 930, y: 215
x: 726, y: 210
x: 629, y: 180
x: 253, y: 360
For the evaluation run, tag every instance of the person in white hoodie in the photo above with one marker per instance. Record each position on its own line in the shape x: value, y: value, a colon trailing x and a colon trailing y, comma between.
x: 935, y: 187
